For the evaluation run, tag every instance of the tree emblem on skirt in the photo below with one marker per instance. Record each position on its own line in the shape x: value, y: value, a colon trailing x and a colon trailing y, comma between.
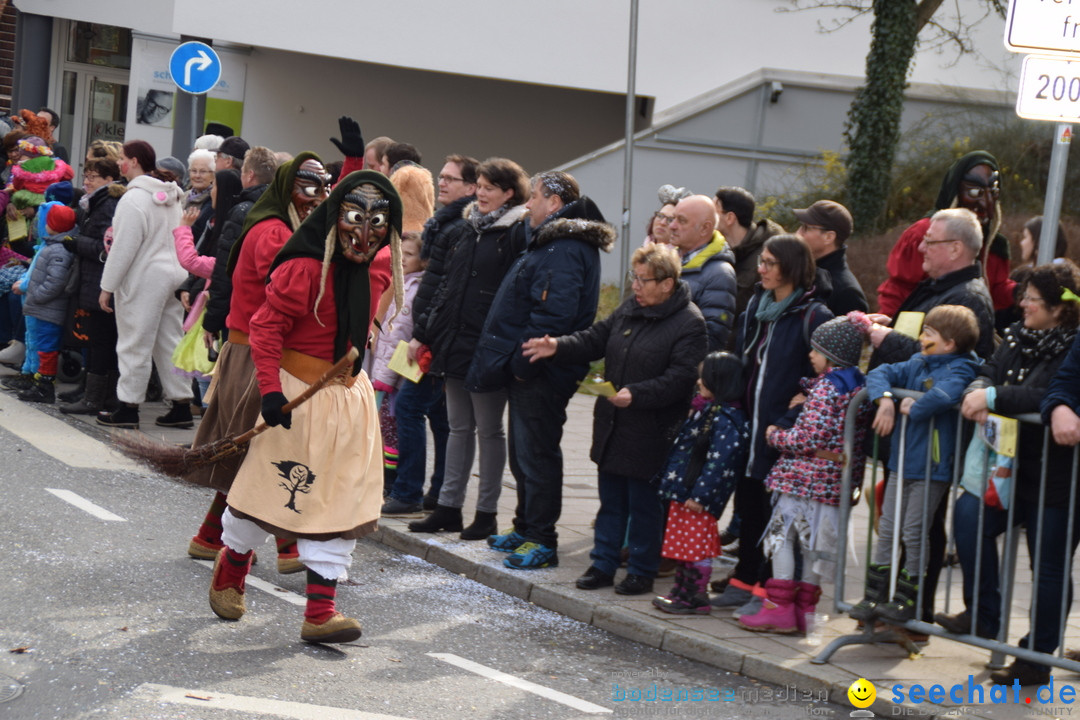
x: 298, y: 479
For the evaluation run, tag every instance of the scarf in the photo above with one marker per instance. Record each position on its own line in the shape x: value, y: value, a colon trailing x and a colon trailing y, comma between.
x: 482, y: 221
x: 352, y: 285
x: 197, y: 197
x: 769, y: 309
x: 1036, y: 345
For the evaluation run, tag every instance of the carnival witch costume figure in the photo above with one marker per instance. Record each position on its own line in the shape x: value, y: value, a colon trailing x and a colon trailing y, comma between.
x: 316, y: 475
x: 298, y: 188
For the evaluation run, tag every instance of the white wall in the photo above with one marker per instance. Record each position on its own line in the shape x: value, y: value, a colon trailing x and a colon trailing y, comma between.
x: 685, y: 48
x: 149, y: 16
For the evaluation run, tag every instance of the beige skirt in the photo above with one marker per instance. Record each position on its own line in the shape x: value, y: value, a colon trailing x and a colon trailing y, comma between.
x: 234, y: 409
x: 323, y: 477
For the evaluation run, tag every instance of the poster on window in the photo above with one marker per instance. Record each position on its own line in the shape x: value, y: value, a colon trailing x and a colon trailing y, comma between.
x: 156, y: 95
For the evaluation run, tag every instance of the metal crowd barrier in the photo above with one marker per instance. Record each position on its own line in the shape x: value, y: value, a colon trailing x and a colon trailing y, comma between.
x: 999, y: 647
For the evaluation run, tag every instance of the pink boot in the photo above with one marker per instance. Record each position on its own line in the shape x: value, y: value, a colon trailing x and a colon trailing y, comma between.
x: 777, y: 614
x: 806, y: 600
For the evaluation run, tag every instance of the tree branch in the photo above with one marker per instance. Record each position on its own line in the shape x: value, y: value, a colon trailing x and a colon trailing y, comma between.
x: 924, y: 11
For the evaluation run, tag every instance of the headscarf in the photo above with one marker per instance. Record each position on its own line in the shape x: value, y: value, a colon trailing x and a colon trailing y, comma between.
x: 317, y: 238
x: 274, y: 203
x: 948, y: 197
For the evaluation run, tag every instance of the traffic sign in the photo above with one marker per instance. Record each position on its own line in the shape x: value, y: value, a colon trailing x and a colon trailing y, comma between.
x: 195, y: 67
x: 1049, y: 89
x: 1042, y: 26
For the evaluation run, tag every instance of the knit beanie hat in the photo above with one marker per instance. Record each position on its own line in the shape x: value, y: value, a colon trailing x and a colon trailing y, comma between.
x: 841, y: 340
x: 61, y: 192
x: 60, y: 219
x: 175, y: 167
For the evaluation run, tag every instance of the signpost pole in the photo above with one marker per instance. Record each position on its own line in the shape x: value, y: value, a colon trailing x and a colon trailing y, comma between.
x: 1055, y: 187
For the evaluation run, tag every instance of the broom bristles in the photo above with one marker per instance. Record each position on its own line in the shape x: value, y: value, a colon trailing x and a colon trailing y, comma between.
x: 173, y: 460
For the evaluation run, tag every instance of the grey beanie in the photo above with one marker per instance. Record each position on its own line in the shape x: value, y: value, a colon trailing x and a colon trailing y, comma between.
x: 840, y: 340
x: 174, y: 166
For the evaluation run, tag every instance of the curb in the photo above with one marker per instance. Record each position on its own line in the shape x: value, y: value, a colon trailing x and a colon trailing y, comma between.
x: 648, y: 630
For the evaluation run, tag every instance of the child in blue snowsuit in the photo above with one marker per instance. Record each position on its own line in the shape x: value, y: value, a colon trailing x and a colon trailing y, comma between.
x: 47, y: 287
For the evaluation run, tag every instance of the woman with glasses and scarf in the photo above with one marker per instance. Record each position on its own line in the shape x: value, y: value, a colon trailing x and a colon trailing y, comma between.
x: 474, y: 268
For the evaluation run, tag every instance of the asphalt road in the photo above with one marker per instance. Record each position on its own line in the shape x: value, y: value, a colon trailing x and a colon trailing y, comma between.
x: 103, y: 615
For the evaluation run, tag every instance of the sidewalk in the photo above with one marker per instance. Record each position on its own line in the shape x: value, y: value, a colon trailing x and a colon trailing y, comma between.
x: 716, y: 640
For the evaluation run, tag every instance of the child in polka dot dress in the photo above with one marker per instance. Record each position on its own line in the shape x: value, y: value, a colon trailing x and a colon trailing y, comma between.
x: 709, y: 454
x: 805, y: 481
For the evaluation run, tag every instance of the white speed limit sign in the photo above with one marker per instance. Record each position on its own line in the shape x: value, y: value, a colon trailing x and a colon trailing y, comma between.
x: 1049, y: 89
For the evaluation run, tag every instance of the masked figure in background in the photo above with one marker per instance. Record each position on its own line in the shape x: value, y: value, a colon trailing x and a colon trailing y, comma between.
x: 317, y: 474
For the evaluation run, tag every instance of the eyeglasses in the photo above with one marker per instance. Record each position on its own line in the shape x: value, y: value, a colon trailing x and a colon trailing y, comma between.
x: 200, y: 171
x: 90, y: 176
x: 928, y: 242
x: 635, y: 280
x: 450, y: 179
x: 822, y: 228
x: 1029, y: 299
x: 767, y: 264
x: 666, y: 219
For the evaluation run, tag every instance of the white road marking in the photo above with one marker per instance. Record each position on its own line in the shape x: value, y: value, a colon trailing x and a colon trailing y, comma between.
x: 152, y: 692
x: 493, y: 674
x: 83, y: 504
x: 58, y: 439
x: 269, y: 588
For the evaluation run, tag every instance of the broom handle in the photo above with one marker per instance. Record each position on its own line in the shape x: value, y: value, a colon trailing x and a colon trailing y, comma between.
x: 336, y: 369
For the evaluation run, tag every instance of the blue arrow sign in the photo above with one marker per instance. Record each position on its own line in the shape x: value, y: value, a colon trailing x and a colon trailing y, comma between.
x: 195, y: 67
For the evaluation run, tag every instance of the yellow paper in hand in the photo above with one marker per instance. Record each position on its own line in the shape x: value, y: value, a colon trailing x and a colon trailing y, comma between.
x: 400, y: 363
x: 910, y: 324
x: 17, y: 229
x: 595, y: 386
x: 1000, y: 434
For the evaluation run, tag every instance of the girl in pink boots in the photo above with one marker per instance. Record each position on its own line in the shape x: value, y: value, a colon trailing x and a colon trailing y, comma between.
x: 709, y: 454
x: 805, y: 481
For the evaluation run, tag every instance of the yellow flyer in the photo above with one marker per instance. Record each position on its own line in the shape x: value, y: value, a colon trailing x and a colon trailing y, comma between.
x: 17, y: 229
x: 400, y: 363
x: 597, y: 386
x: 910, y: 324
x: 1000, y: 434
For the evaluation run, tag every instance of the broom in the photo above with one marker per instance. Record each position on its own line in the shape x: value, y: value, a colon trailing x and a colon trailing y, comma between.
x: 177, y: 461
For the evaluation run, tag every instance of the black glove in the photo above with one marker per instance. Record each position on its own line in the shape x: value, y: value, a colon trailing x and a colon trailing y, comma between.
x: 351, y: 143
x: 271, y: 410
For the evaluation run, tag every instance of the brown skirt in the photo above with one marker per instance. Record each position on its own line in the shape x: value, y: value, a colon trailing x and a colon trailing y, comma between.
x: 234, y: 408
x: 323, y: 477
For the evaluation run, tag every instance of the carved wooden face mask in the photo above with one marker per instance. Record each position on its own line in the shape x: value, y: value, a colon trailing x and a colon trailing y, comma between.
x: 310, y: 187
x: 363, y: 222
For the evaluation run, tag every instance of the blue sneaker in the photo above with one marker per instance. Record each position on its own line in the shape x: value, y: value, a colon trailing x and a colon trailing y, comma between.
x: 531, y: 556
x: 508, y: 542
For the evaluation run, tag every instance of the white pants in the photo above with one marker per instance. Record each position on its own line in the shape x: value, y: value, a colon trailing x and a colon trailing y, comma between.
x: 329, y: 558
x: 149, y: 326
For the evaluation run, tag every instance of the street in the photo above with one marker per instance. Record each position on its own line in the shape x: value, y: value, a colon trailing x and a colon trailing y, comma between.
x: 103, y: 615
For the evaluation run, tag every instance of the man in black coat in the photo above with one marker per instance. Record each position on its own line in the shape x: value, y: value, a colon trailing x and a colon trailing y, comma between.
x: 258, y: 170
x: 825, y: 226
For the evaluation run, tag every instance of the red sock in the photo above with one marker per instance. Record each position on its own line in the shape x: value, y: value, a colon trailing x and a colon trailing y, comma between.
x: 286, y: 548
x: 320, y: 598
x: 210, y: 530
x: 232, y: 570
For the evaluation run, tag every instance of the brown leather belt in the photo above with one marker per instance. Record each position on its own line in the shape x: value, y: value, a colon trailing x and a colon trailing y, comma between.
x: 240, y: 338
x: 310, y: 368
x: 829, y: 455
